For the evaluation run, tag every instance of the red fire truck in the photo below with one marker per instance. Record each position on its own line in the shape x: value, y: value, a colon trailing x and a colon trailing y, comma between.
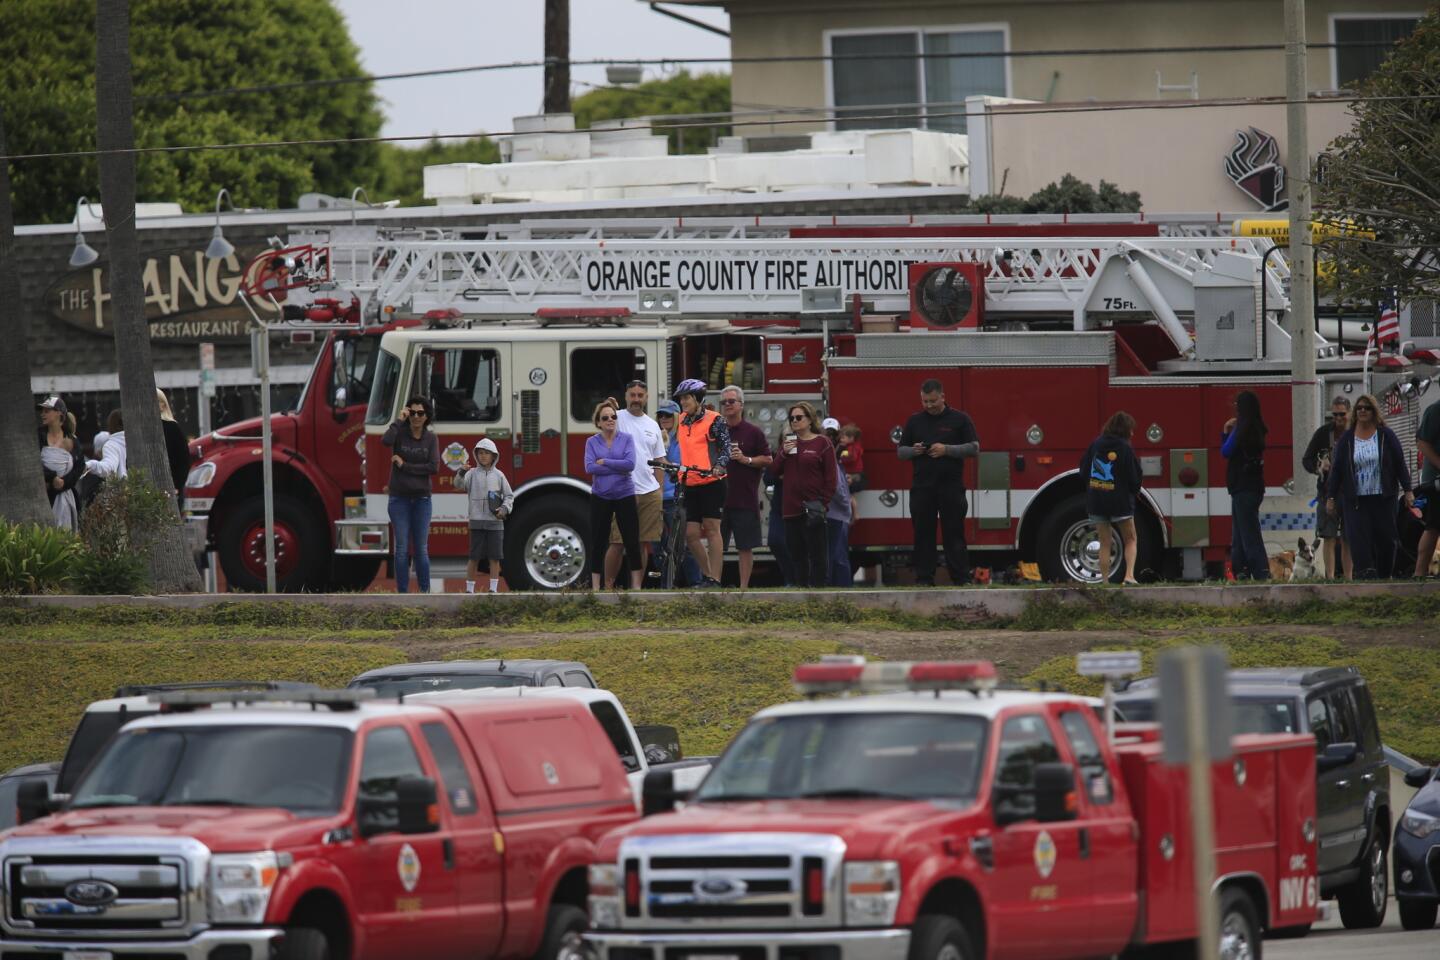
x: 1039, y: 338
x: 939, y: 819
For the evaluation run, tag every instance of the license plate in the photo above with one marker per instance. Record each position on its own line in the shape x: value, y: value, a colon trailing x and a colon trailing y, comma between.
x: 87, y: 955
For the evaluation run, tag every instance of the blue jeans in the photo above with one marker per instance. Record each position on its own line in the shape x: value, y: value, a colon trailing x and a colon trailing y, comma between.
x: 410, y: 516
x: 1247, y: 545
x: 838, y: 534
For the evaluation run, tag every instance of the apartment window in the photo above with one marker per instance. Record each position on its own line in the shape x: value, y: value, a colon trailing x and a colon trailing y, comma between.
x: 1379, y: 34
x: 889, y: 79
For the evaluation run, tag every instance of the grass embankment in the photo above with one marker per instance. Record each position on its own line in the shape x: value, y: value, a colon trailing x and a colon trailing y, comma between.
x: 703, y: 664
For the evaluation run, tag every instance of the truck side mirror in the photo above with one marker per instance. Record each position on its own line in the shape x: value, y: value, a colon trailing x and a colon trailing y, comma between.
x: 658, y: 793
x: 32, y: 801
x: 1055, y: 796
x: 1415, y: 778
x: 1336, y: 755
x: 660, y: 742
x: 417, y: 805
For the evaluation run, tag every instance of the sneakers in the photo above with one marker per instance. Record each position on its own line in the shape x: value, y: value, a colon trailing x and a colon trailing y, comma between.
x: 708, y: 583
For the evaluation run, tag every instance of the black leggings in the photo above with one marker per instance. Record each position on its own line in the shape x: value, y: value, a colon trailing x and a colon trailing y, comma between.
x: 1370, y: 530
x: 626, y: 518
x: 809, y: 551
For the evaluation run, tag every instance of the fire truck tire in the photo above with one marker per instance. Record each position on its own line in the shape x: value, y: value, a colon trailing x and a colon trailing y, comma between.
x: 304, y: 943
x: 563, y: 926
x: 300, y: 542
x: 1239, y: 925
x: 1062, y: 545
x: 1418, y: 914
x: 938, y: 937
x: 545, y: 546
x: 1363, y: 903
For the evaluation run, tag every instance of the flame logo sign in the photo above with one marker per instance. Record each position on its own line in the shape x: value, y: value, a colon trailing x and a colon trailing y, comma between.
x: 1253, y: 165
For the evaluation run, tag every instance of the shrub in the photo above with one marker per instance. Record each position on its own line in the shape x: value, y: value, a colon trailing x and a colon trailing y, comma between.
x: 36, y: 559
x: 120, y: 527
x: 111, y: 576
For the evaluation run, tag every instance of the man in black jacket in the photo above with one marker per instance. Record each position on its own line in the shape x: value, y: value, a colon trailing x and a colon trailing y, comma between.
x: 1317, y: 461
x: 937, y: 441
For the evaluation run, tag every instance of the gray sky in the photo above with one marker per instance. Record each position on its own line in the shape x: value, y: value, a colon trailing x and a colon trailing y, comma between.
x: 434, y: 34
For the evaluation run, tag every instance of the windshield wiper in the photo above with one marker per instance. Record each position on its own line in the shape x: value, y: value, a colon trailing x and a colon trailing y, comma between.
x: 733, y: 797
x: 851, y: 793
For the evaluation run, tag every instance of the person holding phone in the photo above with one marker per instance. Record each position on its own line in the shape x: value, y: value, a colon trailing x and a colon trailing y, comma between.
x: 937, y: 441
x: 414, y: 459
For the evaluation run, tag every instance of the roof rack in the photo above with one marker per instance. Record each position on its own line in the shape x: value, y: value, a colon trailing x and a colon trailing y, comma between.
x: 143, y: 689
x: 182, y: 701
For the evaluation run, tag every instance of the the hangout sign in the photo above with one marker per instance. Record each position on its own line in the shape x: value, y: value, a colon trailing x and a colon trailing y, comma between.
x: 188, y: 297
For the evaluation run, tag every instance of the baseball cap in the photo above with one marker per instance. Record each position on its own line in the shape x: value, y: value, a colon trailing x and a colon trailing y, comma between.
x: 488, y: 445
x: 829, y: 423
x: 668, y: 406
x: 52, y: 403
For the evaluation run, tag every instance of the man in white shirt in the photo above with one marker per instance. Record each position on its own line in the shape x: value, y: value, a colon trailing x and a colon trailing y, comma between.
x: 649, y: 445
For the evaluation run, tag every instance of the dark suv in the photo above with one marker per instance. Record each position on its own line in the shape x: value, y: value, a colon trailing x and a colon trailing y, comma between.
x: 1353, y: 782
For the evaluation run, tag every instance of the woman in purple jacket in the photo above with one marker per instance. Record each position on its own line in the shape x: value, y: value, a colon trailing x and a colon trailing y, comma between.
x: 610, y: 461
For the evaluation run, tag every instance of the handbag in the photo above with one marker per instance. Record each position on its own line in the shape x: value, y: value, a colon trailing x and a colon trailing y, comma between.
x: 814, y: 513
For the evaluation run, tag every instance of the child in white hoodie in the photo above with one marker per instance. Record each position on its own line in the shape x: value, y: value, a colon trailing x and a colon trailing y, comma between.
x: 491, y: 501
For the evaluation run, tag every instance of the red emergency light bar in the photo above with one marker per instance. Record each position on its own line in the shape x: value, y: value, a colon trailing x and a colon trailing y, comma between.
x: 861, y: 677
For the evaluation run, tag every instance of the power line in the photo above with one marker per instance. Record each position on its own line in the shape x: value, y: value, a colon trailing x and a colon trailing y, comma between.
x: 702, y: 124
x: 731, y: 61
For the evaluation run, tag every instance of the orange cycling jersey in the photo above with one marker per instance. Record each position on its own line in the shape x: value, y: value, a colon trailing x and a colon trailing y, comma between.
x: 695, y: 447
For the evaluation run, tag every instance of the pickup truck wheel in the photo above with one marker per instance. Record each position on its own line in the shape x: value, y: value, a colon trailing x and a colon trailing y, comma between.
x: 1418, y: 914
x: 563, y: 926
x: 545, y: 546
x: 938, y: 937
x: 299, y: 543
x: 1363, y: 903
x: 1239, y: 927
x: 304, y: 943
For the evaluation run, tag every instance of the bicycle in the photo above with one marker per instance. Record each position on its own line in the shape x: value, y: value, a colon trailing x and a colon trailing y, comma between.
x: 677, y: 547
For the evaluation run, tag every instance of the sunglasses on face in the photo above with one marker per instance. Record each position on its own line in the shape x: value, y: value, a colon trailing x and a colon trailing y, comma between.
x: 729, y: 400
x: 1364, y: 406
x: 415, y: 413
x: 604, y: 419
x: 796, y: 417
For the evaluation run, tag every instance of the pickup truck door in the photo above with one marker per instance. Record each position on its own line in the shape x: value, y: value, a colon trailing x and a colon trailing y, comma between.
x: 473, y: 854
x: 1040, y: 896
x: 406, y: 896
x: 1337, y: 793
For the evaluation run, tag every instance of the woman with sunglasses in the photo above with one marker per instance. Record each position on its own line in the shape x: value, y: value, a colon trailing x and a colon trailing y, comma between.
x: 610, y: 461
x: 1367, y: 470
x: 415, y: 458
x: 807, y: 466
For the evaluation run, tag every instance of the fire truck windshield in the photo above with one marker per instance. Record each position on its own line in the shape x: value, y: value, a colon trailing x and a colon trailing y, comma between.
x: 301, y: 769
x: 382, y: 397
x: 851, y: 755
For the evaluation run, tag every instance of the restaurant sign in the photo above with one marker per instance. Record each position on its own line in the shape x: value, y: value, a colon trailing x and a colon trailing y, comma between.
x: 188, y: 297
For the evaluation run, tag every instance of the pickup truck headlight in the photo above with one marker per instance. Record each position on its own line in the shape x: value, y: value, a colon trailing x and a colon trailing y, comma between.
x: 604, y: 900
x: 200, y: 475
x: 872, y: 892
x: 240, y: 885
x: 1419, y: 824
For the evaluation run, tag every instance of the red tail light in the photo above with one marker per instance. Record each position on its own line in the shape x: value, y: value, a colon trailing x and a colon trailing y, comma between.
x: 814, y: 903
x: 632, y: 888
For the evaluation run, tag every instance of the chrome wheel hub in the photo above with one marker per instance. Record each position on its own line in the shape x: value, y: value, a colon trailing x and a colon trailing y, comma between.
x: 1235, y: 939
x: 554, y: 556
x: 1080, y: 552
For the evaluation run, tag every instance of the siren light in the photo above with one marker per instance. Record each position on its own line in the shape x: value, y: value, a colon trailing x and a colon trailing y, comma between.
x: 855, y: 675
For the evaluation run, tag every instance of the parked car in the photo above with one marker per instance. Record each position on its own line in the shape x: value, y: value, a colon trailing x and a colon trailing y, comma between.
x: 309, y: 826
x: 403, y: 679
x: 640, y: 749
x: 1417, y: 862
x: 10, y: 782
x: 1334, y: 704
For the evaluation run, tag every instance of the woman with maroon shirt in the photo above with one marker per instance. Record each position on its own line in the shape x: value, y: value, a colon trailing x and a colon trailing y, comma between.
x: 806, y: 464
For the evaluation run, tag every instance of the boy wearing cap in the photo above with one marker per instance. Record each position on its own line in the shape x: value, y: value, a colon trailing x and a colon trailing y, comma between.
x: 491, y: 500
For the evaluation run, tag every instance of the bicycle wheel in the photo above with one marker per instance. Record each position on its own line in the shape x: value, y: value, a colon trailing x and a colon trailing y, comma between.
x: 676, y: 544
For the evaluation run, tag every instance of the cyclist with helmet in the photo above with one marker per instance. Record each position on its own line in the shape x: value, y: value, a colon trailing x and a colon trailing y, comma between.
x: 704, y: 444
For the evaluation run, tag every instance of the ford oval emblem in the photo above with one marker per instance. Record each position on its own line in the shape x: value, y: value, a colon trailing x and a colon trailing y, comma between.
x: 91, y: 893
x: 719, y: 889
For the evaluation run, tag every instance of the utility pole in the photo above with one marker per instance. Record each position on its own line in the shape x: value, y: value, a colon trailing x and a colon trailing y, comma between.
x: 1303, y: 395
x: 557, y: 56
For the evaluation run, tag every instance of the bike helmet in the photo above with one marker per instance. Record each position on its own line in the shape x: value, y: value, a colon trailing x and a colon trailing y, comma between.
x: 696, y: 387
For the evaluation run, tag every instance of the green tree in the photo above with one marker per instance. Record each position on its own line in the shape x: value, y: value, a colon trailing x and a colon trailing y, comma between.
x: 683, y: 93
x: 1070, y: 195
x: 402, y: 169
x: 1384, y: 176
x: 47, y: 87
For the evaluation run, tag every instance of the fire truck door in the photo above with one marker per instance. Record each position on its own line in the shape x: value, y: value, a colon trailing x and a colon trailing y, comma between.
x: 596, y: 369
x: 1041, y: 899
x: 536, y: 416
x: 466, y: 385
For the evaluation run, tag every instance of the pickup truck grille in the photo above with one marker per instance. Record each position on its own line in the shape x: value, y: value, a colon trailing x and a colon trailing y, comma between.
x: 133, y: 894
x: 721, y: 881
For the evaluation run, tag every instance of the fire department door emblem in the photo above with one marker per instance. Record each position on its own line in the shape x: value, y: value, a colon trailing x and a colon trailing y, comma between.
x: 1045, y: 854
x: 409, y: 868
x: 1253, y: 165
x: 455, y: 457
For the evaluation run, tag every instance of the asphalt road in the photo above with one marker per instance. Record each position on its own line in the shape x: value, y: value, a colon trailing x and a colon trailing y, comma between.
x: 1331, y: 941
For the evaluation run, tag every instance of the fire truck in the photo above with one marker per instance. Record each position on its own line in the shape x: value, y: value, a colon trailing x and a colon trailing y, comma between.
x: 934, y: 817
x: 1039, y: 331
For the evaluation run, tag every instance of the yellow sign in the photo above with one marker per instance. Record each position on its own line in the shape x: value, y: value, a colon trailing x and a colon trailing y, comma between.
x: 1279, y: 230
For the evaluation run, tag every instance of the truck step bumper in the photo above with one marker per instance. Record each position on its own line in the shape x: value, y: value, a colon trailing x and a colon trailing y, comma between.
x: 767, y: 945
x: 250, y: 944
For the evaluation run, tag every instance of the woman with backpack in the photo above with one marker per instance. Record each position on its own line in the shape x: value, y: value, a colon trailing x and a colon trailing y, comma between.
x: 1367, y: 470
x: 1242, y: 444
x: 1114, y: 480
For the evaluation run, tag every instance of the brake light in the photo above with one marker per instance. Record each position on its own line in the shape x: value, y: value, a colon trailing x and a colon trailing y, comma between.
x: 971, y: 675
x: 632, y: 888
x: 814, y: 903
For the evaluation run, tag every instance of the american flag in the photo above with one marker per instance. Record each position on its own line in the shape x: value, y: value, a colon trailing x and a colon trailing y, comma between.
x: 1388, y: 329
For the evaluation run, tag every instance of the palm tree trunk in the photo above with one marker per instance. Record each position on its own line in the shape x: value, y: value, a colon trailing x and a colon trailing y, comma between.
x: 171, y: 564
x: 21, y: 477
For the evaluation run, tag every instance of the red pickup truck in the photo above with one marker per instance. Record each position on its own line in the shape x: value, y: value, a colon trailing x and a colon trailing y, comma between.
x: 946, y: 820
x: 317, y: 825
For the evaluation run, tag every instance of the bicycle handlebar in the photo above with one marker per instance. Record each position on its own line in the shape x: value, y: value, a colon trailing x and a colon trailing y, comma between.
x: 679, y: 468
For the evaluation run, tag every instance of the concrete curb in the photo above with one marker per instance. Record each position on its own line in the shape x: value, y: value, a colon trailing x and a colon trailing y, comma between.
x: 979, y: 602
